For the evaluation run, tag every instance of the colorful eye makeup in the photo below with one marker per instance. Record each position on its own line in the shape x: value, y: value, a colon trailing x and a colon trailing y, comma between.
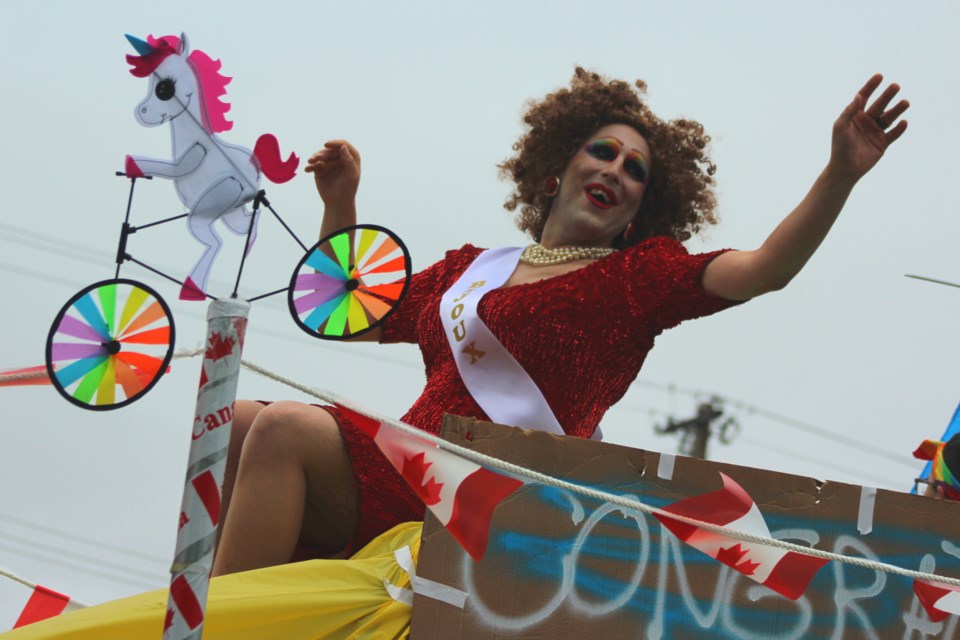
x: 607, y: 149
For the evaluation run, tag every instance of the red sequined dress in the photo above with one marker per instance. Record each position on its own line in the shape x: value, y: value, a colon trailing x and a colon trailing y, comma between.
x: 582, y: 337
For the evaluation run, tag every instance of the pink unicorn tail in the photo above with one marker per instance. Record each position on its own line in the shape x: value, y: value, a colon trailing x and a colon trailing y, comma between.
x: 267, y: 153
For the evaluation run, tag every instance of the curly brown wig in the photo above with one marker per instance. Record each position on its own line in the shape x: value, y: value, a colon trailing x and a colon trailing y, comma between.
x: 679, y: 197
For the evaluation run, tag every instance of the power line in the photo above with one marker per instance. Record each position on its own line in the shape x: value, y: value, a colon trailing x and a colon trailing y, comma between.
x: 97, y: 259
x: 60, y: 551
x: 793, y: 454
x: 39, y: 275
x: 60, y: 562
x: 252, y: 330
x: 56, y: 241
x: 89, y: 257
x: 831, y: 435
x: 949, y: 284
x: 656, y: 413
x: 73, y: 537
x: 863, y: 447
x: 823, y: 433
x: 74, y: 251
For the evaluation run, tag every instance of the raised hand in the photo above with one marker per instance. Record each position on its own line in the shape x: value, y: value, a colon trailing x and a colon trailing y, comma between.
x: 862, y: 133
x: 336, y: 171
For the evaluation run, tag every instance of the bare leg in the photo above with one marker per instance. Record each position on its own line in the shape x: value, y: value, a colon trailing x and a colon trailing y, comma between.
x: 244, y: 413
x: 294, y: 480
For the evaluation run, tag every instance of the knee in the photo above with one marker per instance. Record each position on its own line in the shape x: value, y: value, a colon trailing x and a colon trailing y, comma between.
x: 289, y: 428
x: 244, y: 414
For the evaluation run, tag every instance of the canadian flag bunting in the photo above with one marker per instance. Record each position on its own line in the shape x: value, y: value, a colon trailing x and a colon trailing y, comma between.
x: 44, y: 603
x: 461, y: 494
x: 785, y: 572
x: 940, y: 600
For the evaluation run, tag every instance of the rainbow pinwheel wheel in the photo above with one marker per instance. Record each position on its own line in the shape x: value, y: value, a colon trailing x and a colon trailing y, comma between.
x: 349, y: 282
x: 110, y: 344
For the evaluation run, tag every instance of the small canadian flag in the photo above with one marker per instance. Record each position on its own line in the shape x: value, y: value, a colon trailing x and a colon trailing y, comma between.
x: 45, y: 603
x: 785, y: 572
x: 940, y: 600
x: 461, y: 494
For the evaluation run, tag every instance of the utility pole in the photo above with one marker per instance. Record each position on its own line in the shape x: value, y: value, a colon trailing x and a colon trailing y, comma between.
x: 696, y: 431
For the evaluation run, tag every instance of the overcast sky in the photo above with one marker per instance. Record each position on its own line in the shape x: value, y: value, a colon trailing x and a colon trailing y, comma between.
x: 431, y: 93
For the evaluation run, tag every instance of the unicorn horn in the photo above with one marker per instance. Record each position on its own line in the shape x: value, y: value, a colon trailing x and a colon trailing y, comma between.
x: 142, y: 47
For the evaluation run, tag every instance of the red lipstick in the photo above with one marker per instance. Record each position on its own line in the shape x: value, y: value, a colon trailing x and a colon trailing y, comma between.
x: 600, y: 196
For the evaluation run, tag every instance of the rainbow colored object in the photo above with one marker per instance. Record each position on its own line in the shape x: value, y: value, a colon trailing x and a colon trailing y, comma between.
x: 940, y: 474
x: 349, y: 282
x: 110, y: 344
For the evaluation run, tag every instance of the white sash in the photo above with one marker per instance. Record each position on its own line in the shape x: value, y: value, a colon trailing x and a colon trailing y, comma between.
x: 498, y: 383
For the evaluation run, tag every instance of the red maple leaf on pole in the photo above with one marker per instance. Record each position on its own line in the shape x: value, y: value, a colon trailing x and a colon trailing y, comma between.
x: 414, y: 472
x: 732, y: 556
x: 218, y: 347
x: 240, y: 326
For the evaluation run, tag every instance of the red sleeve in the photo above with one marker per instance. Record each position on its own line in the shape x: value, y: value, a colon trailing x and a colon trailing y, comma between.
x: 424, y: 293
x: 677, y: 277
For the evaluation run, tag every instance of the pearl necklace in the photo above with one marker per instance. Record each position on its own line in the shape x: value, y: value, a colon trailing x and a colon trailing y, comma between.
x: 539, y: 256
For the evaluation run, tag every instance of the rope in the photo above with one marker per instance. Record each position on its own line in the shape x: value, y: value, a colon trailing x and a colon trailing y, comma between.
x: 602, y: 496
x: 41, y: 374
x: 187, y: 353
x: 18, y: 377
x: 535, y: 476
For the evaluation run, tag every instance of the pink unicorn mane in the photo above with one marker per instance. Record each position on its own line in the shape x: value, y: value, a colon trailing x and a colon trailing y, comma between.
x: 213, y: 86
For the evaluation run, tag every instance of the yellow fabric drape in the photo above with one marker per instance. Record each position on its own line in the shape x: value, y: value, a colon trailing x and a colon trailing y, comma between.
x: 316, y: 599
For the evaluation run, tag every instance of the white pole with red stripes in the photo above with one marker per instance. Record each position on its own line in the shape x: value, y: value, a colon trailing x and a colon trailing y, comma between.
x: 210, y: 440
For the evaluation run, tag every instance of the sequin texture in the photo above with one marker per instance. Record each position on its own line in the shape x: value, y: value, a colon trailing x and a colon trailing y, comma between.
x: 581, y: 336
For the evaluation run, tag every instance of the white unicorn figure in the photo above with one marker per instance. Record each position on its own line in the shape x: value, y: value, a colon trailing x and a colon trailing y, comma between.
x: 214, y: 180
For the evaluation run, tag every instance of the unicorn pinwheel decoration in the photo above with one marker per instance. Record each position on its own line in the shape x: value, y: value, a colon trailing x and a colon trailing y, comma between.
x: 113, y: 340
x: 214, y: 179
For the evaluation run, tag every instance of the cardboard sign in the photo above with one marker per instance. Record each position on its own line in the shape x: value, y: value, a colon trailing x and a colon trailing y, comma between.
x: 560, y: 565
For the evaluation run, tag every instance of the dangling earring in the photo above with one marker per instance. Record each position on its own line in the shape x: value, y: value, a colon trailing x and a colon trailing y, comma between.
x: 628, y: 231
x: 551, y: 186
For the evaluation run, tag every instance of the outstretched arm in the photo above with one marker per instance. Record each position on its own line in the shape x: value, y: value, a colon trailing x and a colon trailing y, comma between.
x: 861, y: 135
